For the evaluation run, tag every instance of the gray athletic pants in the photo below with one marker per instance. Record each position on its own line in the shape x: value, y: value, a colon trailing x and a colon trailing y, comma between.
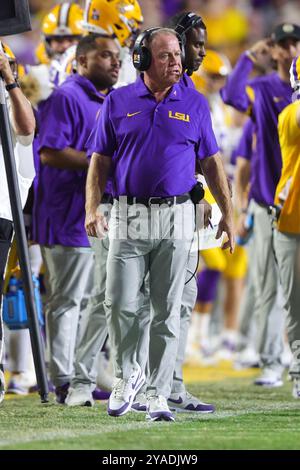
x: 69, y: 278
x: 287, y: 249
x: 94, y: 329
x: 149, y: 248
x: 270, y: 319
x: 246, y: 311
x: 187, y: 304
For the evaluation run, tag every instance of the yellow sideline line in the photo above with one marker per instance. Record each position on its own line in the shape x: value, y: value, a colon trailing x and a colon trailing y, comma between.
x: 221, y: 371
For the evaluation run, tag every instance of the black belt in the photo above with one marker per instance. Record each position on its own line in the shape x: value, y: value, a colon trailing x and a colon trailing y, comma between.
x: 151, y: 201
x: 262, y: 205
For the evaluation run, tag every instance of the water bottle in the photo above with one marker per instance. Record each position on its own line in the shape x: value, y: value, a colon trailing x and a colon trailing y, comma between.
x: 13, y: 284
x: 249, y: 223
x: 14, y: 307
x: 10, y: 309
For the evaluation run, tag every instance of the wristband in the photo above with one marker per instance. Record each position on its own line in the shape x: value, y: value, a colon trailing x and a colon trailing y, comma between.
x: 252, y: 56
x: 11, y: 86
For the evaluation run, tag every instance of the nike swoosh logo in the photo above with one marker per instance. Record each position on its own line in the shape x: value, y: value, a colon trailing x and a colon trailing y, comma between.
x: 179, y: 401
x: 133, y: 114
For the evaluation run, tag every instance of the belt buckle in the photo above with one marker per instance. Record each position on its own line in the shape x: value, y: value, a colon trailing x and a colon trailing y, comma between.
x: 151, y: 199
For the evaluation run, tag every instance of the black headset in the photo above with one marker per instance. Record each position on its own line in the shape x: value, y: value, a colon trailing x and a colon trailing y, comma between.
x: 188, y: 21
x: 184, y: 23
x: 141, y: 54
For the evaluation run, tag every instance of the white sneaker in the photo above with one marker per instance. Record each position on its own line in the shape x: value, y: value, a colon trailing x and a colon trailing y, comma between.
x: 124, y: 392
x: 269, y: 378
x: 296, y: 388
x: 247, y: 358
x: 158, y: 410
x: 186, y: 403
x: 79, y: 396
x: 140, y: 402
x: 19, y: 384
x: 197, y: 356
x: 2, y: 386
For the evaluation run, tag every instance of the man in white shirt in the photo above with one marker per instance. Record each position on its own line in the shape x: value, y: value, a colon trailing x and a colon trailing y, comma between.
x: 23, y: 125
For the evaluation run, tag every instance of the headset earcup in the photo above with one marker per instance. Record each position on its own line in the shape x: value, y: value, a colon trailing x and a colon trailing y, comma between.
x: 146, y: 58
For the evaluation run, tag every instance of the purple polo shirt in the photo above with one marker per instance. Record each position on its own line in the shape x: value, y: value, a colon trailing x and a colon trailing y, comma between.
x: 187, y: 82
x: 272, y: 95
x: 245, y: 148
x: 66, y: 118
x: 154, y: 145
x: 89, y: 151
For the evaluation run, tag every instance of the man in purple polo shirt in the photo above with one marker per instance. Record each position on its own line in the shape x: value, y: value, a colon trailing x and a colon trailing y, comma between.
x: 265, y: 97
x: 94, y: 333
x: 191, y: 26
x: 66, y: 120
x: 149, y: 135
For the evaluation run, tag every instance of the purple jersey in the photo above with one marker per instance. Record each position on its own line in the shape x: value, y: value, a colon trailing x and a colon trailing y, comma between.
x: 89, y: 151
x: 154, y: 145
x: 245, y: 146
x: 66, y: 118
x: 187, y: 82
x: 270, y: 96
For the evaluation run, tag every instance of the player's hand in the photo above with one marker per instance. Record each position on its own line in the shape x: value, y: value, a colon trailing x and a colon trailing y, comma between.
x: 227, y: 227
x: 5, y: 69
x: 261, y: 53
x: 96, y: 224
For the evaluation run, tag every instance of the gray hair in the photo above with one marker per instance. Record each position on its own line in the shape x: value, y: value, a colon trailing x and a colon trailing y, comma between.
x: 158, y: 32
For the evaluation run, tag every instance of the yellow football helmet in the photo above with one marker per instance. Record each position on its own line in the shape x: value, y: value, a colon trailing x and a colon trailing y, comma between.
x: 214, y: 63
x: 64, y: 20
x: 118, y: 18
x: 295, y: 73
x: 41, y: 54
x: 8, y: 52
x: 11, y: 59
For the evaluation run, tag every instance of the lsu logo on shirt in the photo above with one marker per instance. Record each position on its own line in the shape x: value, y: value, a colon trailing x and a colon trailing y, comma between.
x: 179, y: 116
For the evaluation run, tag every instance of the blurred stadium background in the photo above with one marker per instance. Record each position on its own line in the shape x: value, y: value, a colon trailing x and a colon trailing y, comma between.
x: 232, y: 24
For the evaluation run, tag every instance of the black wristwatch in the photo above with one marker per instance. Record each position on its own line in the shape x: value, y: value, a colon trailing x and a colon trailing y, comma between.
x: 11, y: 86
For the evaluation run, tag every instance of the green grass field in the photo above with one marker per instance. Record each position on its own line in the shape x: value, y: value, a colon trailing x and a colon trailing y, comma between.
x: 247, y: 417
